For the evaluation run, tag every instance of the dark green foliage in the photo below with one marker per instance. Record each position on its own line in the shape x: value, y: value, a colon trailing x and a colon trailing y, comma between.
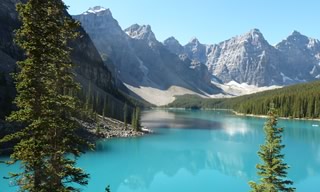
x: 138, y: 116
x: 6, y: 96
x: 297, y: 101
x: 125, y: 115
x: 105, y: 106
x: 273, y: 170
x: 3, y: 81
x: 99, y: 102
x: 135, y: 119
x: 46, y: 101
x: 107, y: 189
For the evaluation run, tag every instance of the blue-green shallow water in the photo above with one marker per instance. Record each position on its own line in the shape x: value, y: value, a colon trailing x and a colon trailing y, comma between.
x: 196, y: 151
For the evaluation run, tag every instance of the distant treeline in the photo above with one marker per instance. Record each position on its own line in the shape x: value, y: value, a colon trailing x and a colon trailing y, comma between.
x: 113, y: 103
x: 296, y: 101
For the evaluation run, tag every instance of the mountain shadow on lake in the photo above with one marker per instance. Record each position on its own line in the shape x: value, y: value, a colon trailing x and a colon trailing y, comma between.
x: 175, y: 120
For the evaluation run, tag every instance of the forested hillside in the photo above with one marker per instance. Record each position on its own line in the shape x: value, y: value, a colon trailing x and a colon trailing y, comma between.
x: 100, y: 90
x: 297, y: 101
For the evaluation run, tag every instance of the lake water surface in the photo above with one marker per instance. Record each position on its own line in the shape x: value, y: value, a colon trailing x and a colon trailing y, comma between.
x: 193, y: 151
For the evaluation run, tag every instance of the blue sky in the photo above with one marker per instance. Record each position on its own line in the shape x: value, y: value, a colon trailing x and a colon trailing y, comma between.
x: 213, y: 21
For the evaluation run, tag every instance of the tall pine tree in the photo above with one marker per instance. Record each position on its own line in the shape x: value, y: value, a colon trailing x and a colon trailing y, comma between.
x: 273, y: 170
x: 46, y: 101
x: 125, y: 115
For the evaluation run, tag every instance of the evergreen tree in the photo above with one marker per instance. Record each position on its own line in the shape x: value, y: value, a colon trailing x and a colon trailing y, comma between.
x: 125, y: 114
x: 273, y: 170
x: 133, y: 119
x: 105, y: 106
x: 46, y: 101
x: 107, y: 189
x: 89, y: 98
x: 3, y: 80
x: 137, y: 120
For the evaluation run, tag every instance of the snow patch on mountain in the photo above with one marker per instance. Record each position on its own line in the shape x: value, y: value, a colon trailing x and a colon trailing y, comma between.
x: 160, y: 97
x: 94, y: 10
x: 233, y: 88
x: 286, y: 79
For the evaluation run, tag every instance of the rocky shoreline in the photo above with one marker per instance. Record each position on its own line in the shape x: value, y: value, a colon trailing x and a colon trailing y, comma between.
x: 91, y: 130
x: 106, y: 127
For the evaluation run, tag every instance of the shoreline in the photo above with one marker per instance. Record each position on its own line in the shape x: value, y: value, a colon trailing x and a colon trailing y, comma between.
x: 239, y: 114
x: 105, y: 128
x: 102, y: 128
x: 266, y: 116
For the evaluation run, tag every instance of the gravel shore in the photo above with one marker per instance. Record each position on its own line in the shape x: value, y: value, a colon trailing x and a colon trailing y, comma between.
x: 106, y: 127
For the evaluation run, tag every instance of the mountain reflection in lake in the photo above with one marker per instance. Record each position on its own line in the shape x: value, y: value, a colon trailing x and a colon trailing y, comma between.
x: 197, y: 151
x: 198, y: 120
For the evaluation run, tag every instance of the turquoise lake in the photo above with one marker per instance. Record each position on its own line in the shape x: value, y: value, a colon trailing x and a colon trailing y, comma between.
x: 193, y: 151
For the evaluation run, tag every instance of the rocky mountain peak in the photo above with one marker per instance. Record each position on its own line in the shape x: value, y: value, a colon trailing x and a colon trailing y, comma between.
x: 194, y: 41
x: 143, y: 32
x: 300, y: 41
x: 295, y: 33
x: 98, y: 10
x: 173, y: 45
x: 254, y: 35
x: 255, y: 31
x: 297, y: 38
x: 195, y: 50
x: 171, y: 40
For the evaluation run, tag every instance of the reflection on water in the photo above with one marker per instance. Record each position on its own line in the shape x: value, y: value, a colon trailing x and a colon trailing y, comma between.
x: 166, y: 119
x: 183, y: 119
x: 199, y: 151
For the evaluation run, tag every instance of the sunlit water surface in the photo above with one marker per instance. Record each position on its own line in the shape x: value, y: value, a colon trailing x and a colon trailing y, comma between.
x: 192, y: 151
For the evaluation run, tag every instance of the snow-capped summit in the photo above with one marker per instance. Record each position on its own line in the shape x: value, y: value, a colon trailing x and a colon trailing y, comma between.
x: 96, y: 10
x: 144, y: 32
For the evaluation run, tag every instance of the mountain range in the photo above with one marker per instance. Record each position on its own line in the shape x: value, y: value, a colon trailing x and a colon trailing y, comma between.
x: 250, y: 59
x: 157, y: 71
x: 141, y: 62
x: 133, y: 61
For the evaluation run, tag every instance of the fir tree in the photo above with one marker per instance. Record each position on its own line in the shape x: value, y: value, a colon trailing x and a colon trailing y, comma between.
x: 133, y: 119
x: 273, y: 170
x: 107, y: 189
x: 46, y: 101
x: 105, y: 106
x: 125, y: 114
x: 137, y: 120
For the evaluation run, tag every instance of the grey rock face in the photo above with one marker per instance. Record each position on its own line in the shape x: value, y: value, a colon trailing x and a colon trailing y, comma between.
x: 139, y: 59
x: 173, y: 45
x: 194, y: 49
x: 143, y: 32
x: 112, y: 44
x: 89, y: 65
x: 249, y: 58
x: 300, y: 57
x: 246, y: 59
